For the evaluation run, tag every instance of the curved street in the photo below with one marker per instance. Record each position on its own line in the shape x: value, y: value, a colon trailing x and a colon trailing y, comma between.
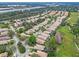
x: 17, y: 53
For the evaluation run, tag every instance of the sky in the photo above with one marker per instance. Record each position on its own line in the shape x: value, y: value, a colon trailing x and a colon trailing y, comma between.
x: 39, y: 0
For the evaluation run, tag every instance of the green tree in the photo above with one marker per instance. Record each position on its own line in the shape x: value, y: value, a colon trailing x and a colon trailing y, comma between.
x: 10, y: 33
x: 75, y: 29
x: 32, y: 40
x: 51, y: 47
x: 20, y: 30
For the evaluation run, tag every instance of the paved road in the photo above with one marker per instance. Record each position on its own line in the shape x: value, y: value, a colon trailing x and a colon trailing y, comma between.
x: 17, y: 53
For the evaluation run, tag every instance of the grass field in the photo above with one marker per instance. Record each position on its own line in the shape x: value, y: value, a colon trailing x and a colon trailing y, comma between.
x: 68, y: 48
x: 73, y: 18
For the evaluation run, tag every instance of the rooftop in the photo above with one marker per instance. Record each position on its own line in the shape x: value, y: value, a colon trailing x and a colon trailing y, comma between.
x: 41, y: 53
x: 39, y: 47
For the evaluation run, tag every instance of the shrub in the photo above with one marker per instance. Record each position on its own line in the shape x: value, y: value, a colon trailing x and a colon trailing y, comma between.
x: 51, y: 53
x: 22, y: 37
x: 11, y: 42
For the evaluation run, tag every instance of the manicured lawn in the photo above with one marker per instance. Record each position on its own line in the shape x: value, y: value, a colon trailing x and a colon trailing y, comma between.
x: 67, y: 48
x: 2, y: 25
x: 73, y: 17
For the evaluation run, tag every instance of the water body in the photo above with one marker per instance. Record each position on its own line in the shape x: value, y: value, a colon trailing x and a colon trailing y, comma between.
x: 35, y: 5
x: 38, y: 3
x: 3, y: 11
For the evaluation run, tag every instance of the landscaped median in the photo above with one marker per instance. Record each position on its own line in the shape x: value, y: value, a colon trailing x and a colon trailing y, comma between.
x: 21, y: 48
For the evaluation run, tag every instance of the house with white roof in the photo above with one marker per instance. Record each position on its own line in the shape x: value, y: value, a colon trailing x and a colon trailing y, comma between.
x: 41, y: 53
x: 39, y: 47
x: 5, y: 54
x: 40, y: 41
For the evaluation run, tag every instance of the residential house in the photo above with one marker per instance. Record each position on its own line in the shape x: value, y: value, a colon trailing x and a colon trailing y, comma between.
x: 41, y: 53
x: 5, y: 54
x: 39, y: 47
